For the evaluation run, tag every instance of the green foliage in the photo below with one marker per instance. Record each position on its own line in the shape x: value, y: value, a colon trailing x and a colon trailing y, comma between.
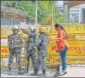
x: 44, y: 10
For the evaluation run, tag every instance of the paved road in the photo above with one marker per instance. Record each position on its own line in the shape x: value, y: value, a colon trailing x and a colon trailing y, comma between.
x: 72, y: 71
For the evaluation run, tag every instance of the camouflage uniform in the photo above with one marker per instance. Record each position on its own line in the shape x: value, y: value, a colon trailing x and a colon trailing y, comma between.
x: 31, y: 49
x: 42, y: 46
x: 15, y: 48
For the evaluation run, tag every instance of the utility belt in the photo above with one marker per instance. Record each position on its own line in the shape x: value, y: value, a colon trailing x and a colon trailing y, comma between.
x: 16, y: 47
x: 15, y: 50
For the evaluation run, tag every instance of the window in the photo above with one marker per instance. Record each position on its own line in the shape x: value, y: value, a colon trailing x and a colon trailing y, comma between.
x: 83, y: 15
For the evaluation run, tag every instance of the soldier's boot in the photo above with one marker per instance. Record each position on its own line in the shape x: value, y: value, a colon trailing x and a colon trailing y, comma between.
x: 57, y: 71
x: 19, y: 72
x: 35, y: 73
x: 9, y: 69
x: 26, y: 69
x: 44, y: 72
x: 27, y: 66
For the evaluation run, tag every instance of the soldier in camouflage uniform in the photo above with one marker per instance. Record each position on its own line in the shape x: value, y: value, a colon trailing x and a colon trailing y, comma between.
x: 42, y: 45
x: 15, y: 48
x: 30, y: 48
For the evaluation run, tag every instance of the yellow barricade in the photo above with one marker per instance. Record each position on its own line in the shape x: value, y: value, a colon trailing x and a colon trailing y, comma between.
x: 76, y: 41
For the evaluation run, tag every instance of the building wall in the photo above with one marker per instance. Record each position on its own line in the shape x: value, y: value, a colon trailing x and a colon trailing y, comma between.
x: 77, y: 14
x: 9, y: 21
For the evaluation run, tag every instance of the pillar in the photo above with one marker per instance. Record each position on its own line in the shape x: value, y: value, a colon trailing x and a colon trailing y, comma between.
x: 66, y: 12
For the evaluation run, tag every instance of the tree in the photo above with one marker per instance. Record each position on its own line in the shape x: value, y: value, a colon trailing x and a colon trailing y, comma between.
x: 44, y: 10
